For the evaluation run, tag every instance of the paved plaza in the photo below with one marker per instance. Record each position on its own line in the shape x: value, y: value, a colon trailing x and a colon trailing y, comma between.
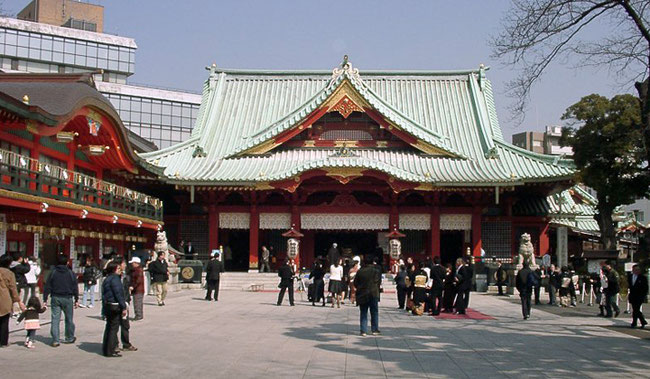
x: 245, y: 335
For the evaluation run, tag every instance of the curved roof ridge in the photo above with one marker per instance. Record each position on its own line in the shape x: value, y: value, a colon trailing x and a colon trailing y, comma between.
x: 235, y: 71
x: 544, y: 158
x: 169, y: 149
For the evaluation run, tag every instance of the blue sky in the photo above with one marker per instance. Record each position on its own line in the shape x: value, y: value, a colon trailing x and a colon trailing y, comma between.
x: 177, y: 39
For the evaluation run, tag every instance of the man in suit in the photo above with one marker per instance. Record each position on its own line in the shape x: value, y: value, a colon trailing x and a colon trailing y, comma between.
x: 638, y: 285
x: 213, y: 271
x: 366, y: 282
x: 189, y: 251
x: 612, y: 290
x: 525, y: 282
x: 469, y: 273
x: 286, y: 282
x: 463, y: 282
x: 437, y: 276
x: 400, y: 285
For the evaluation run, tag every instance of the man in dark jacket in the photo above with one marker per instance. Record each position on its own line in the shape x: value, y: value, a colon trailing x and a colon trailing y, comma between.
x: 612, y: 290
x: 501, y: 277
x: 553, y: 284
x: 367, y: 283
x: 400, y: 284
x: 638, y: 285
x: 125, y: 324
x: 20, y: 267
x: 114, y: 307
x: 286, y: 282
x: 62, y: 286
x: 538, y: 279
x: 463, y: 282
x: 333, y: 254
x: 437, y: 277
x: 525, y: 282
x: 317, y: 274
x: 213, y: 271
x: 159, y: 276
x: 137, y: 287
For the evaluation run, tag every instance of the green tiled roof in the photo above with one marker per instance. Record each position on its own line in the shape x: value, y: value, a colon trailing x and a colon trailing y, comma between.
x: 451, y: 111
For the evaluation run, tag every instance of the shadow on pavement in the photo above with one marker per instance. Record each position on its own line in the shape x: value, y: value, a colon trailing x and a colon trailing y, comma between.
x: 415, y: 350
x: 91, y: 347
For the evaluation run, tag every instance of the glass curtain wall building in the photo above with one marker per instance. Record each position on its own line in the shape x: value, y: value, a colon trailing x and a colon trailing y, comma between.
x: 163, y: 117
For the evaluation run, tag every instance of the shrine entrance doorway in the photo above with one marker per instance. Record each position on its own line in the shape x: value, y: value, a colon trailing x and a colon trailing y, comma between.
x: 349, y: 243
x: 451, y: 246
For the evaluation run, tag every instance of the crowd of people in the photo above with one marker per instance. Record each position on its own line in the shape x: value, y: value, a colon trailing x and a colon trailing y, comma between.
x: 122, y: 287
x: 425, y: 287
x: 430, y: 288
x: 602, y: 289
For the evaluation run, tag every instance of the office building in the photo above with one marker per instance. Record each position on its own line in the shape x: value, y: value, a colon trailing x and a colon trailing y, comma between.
x: 153, y: 116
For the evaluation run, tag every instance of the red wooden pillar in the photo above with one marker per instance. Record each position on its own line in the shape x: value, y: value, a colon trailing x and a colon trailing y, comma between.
x: 213, y: 228
x: 544, y: 243
x: 476, y: 232
x: 435, y: 231
x: 34, y: 153
x: 254, y: 237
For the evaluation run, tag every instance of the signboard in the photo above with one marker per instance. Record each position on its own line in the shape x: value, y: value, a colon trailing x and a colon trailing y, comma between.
x: 628, y: 266
x: 73, y: 254
x: 562, y: 246
x: 546, y: 260
x: 3, y: 234
x: 101, y: 247
x: 37, y: 244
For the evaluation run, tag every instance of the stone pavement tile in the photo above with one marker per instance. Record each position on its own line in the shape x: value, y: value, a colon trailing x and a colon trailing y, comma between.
x: 245, y: 336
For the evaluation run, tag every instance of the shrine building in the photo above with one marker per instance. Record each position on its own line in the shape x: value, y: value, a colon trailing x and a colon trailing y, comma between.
x: 67, y: 172
x: 348, y: 155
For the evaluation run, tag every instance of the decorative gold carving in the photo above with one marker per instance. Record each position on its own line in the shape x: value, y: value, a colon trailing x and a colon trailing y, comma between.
x: 94, y: 116
x: 263, y: 186
x: 345, y: 172
x: 261, y: 148
x: 31, y: 126
x: 346, y: 106
x: 309, y: 143
x: 346, y: 90
x: 382, y: 143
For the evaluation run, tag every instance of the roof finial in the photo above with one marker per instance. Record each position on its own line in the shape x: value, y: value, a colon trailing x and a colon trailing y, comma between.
x: 481, y: 76
x: 345, y: 61
x: 26, y: 99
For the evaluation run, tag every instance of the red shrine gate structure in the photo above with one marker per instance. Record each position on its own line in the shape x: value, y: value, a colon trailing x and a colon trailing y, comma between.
x: 345, y: 156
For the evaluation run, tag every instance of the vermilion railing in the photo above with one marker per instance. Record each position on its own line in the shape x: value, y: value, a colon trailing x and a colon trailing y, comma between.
x: 27, y: 175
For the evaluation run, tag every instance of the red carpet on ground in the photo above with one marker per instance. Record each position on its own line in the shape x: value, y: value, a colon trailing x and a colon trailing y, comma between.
x: 471, y: 315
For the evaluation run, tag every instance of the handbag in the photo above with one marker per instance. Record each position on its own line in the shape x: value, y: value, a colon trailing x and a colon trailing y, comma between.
x: 410, y: 304
x: 419, y: 310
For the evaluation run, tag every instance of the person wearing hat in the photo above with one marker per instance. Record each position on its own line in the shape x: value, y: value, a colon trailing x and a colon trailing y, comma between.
x: 213, y: 271
x: 137, y: 287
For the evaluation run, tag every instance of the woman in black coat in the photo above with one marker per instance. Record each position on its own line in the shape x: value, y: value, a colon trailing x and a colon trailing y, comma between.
x: 114, y: 307
x: 449, y: 289
x: 317, y: 274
